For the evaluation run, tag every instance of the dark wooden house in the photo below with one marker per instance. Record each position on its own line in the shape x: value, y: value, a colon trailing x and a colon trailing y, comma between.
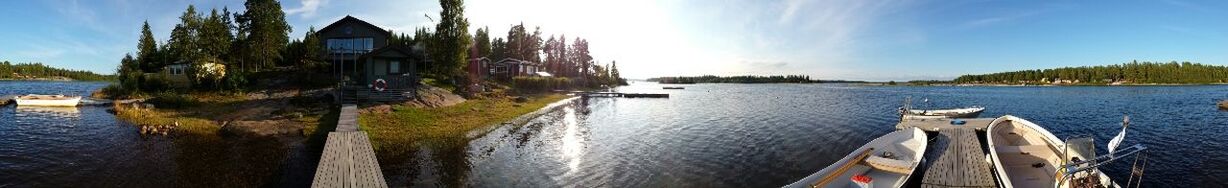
x: 369, y: 68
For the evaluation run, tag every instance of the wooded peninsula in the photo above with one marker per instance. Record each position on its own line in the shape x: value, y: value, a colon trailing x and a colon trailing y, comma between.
x: 1134, y: 72
x: 38, y: 71
x: 748, y: 79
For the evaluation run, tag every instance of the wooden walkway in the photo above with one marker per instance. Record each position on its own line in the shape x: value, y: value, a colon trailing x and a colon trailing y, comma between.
x: 617, y: 94
x: 348, y: 160
x: 957, y: 160
x: 348, y: 121
x: 934, y: 125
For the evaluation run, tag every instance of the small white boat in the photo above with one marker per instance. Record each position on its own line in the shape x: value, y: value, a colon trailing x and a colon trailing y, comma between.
x: 887, y: 161
x: 969, y: 112
x: 1026, y: 155
x: 47, y: 100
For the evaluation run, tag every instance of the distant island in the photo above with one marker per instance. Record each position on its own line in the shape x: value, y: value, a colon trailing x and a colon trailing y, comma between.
x: 1132, y: 73
x: 743, y: 79
x: 38, y: 71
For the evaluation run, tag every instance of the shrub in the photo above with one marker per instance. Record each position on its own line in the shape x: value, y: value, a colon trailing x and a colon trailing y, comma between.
x: 172, y: 100
x: 539, y: 84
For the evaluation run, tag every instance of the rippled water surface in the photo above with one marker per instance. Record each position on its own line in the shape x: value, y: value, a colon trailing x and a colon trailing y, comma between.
x: 708, y: 135
x: 769, y: 135
x: 88, y: 147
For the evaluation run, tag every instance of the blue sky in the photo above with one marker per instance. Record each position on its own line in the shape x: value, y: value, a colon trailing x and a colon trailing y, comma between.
x: 836, y: 39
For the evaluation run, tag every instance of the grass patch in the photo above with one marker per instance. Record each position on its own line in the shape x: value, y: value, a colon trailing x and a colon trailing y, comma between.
x: 204, y: 113
x: 405, y: 126
x: 156, y: 117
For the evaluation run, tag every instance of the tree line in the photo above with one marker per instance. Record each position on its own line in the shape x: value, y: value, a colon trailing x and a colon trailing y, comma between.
x: 257, y: 40
x: 734, y: 79
x: 1132, y: 72
x: 24, y: 71
x: 246, y: 42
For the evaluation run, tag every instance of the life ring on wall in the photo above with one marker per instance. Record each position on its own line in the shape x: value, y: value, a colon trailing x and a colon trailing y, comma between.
x: 380, y: 84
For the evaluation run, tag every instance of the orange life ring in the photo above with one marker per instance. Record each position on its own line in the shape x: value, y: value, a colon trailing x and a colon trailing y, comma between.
x: 380, y: 84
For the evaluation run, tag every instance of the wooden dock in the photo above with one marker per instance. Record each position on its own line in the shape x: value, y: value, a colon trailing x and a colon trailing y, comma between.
x: 934, y: 125
x: 348, y: 159
x: 956, y: 156
x: 618, y: 94
x: 957, y: 160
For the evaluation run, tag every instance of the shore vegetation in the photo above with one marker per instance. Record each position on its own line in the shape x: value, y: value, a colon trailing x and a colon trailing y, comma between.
x: 39, y: 71
x: 1132, y: 73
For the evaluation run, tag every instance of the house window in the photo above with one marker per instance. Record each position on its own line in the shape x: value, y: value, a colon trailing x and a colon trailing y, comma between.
x: 350, y: 45
x: 394, y: 67
x: 176, y: 69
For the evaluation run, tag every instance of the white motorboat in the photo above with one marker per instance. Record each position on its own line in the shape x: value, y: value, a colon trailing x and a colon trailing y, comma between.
x: 1026, y: 155
x: 47, y: 100
x: 969, y: 112
x: 886, y: 161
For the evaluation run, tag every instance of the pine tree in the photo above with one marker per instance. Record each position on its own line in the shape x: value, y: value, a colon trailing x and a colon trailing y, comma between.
x: 183, y: 43
x: 147, y: 48
x: 263, y: 32
x: 483, y: 42
x: 451, y: 40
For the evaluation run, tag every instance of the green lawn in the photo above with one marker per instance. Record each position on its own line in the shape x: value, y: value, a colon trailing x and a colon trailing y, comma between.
x: 405, y: 127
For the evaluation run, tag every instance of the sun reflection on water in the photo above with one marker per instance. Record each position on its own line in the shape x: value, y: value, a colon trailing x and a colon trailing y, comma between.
x: 573, y: 144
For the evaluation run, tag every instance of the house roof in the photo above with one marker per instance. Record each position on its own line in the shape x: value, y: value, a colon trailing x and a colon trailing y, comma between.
x: 393, y: 48
x: 349, y: 18
x: 479, y: 59
x: 515, y: 61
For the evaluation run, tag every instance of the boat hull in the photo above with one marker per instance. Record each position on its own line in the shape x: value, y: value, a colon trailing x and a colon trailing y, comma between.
x: 70, y: 101
x: 970, y: 112
x: 909, y: 144
x: 1024, y: 154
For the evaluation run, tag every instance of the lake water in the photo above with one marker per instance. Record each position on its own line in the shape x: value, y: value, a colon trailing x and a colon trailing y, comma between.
x: 88, y: 147
x: 708, y: 135
x: 769, y: 135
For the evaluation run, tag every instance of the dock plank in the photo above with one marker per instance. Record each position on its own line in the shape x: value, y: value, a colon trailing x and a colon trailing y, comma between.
x: 348, y: 161
x: 959, y: 160
x: 348, y: 119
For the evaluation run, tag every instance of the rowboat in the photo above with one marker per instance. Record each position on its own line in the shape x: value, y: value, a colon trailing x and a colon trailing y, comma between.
x: 886, y: 161
x: 1026, y: 155
x: 47, y: 100
x: 969, y: 112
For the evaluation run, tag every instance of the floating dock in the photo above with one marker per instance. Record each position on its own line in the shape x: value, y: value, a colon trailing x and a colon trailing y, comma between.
x: 618, y: 94
x: 956, y: 154
x: 348, y: 160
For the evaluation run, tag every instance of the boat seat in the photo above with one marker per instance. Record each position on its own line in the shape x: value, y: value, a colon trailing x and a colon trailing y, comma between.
x: 1023, y: 149
x: 889, y: 165
x: 1013, y: 155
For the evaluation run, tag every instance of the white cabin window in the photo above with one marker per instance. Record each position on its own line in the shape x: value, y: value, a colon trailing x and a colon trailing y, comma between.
x: 394, y: 67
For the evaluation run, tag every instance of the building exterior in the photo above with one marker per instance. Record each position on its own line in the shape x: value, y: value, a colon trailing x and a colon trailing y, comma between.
x: 510, y: 67
x: 360, y: 54
x: 360, y: 51
x: 177, y: 74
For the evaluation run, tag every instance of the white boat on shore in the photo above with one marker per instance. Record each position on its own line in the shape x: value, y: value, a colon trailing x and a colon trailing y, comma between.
x: 47, y: 100
x: 1026, y: 155
x: 886, y: 161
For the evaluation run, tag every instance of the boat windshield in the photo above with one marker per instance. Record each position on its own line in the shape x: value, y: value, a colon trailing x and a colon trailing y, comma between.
x: 1078, y: 150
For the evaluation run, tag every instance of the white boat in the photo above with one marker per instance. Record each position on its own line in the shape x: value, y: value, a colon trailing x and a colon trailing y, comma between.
x: 47, y: 100
x: 1026, y: 155
x: 887, y: 161
x: 969, y: 112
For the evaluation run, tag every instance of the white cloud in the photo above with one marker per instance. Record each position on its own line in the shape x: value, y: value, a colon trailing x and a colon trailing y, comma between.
x: 308, y: 8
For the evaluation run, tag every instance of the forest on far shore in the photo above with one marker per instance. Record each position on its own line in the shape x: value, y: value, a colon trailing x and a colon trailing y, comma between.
x: 38, y: 71
x: 1134, y: 72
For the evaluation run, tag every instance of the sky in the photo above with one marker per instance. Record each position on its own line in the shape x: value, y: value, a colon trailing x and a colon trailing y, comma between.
x: 875, y: 40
